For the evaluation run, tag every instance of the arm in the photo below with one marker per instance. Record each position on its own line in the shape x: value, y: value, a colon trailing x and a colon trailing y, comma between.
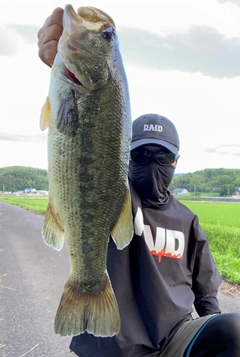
x: 48, y: 36
x: 206, y: 278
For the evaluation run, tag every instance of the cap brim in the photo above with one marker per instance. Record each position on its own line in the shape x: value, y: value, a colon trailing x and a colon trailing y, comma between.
x: 137, y: 143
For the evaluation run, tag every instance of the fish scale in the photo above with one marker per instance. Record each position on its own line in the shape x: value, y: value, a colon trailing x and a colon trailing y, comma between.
x: 87, y: 113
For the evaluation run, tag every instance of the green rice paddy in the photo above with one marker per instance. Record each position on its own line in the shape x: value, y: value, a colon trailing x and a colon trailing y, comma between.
x: 219, y: 221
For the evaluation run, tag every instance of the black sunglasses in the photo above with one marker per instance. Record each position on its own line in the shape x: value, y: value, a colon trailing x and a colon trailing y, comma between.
x: 144, y: 156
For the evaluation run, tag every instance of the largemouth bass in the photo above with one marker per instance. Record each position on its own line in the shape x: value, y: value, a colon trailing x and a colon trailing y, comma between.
x: 87, y: 113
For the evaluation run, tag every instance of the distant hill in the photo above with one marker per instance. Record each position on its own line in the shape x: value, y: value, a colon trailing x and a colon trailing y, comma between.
x: 226, y: 182
x: 17, y: 178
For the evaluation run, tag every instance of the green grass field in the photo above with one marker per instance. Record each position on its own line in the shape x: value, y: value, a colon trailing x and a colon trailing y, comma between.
x: 221, y: 224
x: 219, y: 221
x: 36, y: 205
x: 220, y: 213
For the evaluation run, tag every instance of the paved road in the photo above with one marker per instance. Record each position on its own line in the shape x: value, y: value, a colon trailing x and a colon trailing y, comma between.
x: 33, y: 276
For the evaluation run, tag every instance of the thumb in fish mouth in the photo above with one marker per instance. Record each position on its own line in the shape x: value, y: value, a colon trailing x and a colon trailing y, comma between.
x: 71, y: 20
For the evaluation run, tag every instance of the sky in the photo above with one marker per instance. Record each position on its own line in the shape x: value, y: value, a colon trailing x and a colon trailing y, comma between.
x: 182, y: 60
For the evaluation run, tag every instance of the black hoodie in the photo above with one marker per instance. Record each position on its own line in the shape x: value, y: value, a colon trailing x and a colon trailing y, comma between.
x: 166, y: 269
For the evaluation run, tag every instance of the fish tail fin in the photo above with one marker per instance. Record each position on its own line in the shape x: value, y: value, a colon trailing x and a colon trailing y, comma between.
x: 95, y: 312
x: 122, y: 231
x: 52, y: 233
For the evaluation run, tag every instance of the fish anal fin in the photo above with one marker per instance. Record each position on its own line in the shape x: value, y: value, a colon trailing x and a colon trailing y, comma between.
x: 45, y: 115
x: 122, y: 231
x: 94, y: 311
x: 52, y: 232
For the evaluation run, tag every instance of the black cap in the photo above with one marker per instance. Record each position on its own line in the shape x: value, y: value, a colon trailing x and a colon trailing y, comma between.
x: 154, y: 129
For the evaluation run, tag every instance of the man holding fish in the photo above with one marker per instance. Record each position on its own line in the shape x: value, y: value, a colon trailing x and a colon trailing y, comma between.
x: 166, y: 267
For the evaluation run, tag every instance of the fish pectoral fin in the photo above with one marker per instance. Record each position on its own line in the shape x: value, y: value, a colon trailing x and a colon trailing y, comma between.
x: 94, y: 311
x: 67, y: 117
x: 122, y: 232
x: 52, y: 232
x: 45, y: 115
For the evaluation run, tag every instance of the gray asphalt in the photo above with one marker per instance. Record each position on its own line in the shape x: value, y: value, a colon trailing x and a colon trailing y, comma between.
x: 33, y: 276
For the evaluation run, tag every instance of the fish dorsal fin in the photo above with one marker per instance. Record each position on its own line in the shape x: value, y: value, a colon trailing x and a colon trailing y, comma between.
x: 45, y: 115
x: 122, y: 231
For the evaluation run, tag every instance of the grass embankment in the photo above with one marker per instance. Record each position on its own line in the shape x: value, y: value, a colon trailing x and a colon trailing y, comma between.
x: 219, y: 221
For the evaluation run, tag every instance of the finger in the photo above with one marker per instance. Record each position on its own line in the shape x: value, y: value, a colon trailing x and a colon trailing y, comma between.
x: 51, y: 33
x: 48, y: 51
x: 48, y: 37
x: 54, y: 18
x: 48, y: 43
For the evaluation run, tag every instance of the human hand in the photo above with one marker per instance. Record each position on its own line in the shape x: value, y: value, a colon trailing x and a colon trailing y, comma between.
x: 48, y: 36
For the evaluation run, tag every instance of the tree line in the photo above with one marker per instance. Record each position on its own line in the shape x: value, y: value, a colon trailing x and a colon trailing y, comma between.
x: 17, y: 178
x: 223, y: 182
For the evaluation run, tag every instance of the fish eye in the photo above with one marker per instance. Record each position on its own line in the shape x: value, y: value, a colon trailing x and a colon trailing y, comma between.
x: 107, y: 32
x: 107, y: 35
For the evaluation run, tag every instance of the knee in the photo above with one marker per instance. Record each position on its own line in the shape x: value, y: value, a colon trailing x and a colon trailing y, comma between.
x: 227, y: 326
x: 219, y: 337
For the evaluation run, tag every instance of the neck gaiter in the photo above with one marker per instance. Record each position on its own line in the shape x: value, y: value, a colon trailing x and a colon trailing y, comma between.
x: 151, y: 182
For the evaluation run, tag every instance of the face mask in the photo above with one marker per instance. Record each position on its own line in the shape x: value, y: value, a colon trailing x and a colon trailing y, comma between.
x: 151, y: 181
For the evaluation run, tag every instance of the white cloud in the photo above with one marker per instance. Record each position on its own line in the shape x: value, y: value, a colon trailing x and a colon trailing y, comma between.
x: 10, y: 41
x: 198, y: 49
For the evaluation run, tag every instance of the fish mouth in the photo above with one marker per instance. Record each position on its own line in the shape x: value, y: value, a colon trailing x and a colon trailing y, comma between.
x: 70, y: 75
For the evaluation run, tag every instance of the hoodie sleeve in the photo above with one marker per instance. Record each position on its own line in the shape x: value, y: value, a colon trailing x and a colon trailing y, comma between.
x: 206, y: 278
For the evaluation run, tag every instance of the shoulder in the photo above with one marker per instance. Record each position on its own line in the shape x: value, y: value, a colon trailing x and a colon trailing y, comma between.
x: 181, y: 208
